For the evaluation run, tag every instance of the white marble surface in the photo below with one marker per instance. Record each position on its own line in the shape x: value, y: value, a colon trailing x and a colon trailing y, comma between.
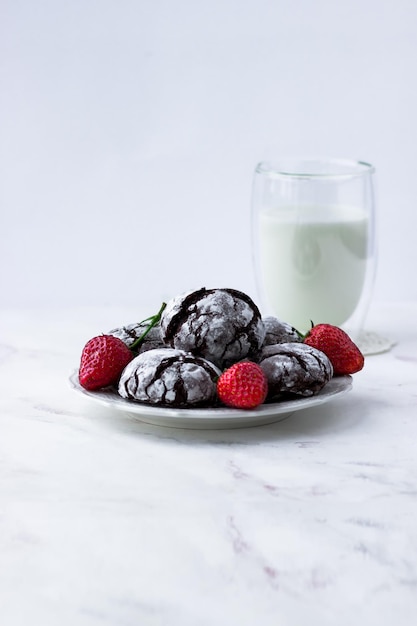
x: 109, y: 521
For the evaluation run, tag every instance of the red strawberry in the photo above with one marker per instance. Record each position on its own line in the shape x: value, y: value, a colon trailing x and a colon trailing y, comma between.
x: 102, y: 361
x: 343, y: 353
x: 243, y: 385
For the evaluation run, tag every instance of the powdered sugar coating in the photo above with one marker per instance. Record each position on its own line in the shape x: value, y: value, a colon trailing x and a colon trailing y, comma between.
x: 277, y: 331
x: 295, y: 368
x: 169, y: 377
x: 129, y: 333
x: 221, y: 325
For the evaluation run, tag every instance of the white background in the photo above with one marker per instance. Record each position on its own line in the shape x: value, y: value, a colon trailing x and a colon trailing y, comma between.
x: 130, y: 130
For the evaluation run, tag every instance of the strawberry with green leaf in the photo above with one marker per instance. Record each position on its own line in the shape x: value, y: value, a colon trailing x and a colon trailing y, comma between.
x: 336, y: 344
x: 104, y: 357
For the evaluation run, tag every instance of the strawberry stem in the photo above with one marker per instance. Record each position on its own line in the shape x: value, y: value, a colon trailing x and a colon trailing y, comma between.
x: 308, y: 332
x: 153, y: 320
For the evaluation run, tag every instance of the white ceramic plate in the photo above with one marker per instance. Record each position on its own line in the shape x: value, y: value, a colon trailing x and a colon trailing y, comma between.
x: 214, y: 418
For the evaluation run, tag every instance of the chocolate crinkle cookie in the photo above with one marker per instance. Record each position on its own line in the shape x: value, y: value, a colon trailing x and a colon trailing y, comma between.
x: 221, y: 325
x: 168, y: 377
x: 130, y: 333
x: 295, y: 368
x: 277, y: 331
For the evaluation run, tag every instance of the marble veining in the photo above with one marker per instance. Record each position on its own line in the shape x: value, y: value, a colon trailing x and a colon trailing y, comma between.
x: 108, y: 521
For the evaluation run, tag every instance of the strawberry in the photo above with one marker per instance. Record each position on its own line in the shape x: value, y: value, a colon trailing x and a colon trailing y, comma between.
x: 102, y: 361
x: 243, y: 385
x: 343, y: 353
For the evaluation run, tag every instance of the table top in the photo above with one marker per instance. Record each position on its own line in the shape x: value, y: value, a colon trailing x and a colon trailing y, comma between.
x: 108, y: 520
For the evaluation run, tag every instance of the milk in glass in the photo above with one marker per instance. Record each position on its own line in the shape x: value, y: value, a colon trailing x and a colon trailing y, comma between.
x: 313, y: 262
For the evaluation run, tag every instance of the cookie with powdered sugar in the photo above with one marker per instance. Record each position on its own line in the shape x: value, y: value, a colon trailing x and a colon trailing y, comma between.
x: 221, y: 325
x: 277, y: 331
x: 169, y: 377
x: 295, y: 368
x: 131, y: 332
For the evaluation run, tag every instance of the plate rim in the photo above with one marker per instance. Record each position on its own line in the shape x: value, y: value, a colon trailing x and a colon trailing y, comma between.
x: 336, y: 387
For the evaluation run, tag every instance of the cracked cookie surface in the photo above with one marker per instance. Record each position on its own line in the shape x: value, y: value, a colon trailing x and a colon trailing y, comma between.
x: 277, y: 331
x: 295, y: 368
x: 221, y: 325
x: 169, y: 377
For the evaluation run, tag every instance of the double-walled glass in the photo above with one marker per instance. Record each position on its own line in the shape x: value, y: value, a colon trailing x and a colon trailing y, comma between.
x: 314, y: 241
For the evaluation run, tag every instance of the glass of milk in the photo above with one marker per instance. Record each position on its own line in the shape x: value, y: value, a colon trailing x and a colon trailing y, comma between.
x: 314, y: 241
